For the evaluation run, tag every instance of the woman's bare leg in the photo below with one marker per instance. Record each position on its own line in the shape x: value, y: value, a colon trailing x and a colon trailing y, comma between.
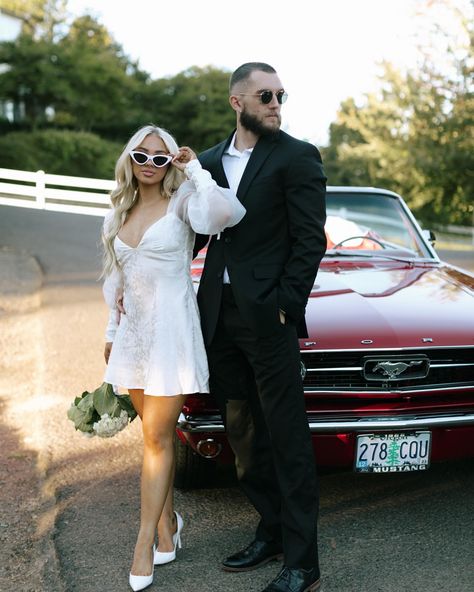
x: 167, y: 524
x: 159, y: 417
x: 137, y: 400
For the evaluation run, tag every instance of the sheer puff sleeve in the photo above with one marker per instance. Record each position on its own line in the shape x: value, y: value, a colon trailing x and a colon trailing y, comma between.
x: 111, y: 289
x: 205, y: 206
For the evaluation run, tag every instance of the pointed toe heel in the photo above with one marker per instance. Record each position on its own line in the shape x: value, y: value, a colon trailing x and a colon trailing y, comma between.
x: 160, y: 558
x: 139, y: 582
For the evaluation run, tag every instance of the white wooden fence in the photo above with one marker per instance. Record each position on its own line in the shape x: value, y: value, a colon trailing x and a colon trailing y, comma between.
x: 79, y: 195
x: 59, y: 193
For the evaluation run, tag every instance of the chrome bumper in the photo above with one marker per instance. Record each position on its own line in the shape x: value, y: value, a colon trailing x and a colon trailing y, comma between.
x: 214, y: 425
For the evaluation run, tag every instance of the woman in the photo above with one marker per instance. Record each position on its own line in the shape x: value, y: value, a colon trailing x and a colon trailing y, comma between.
x: 156, y: 350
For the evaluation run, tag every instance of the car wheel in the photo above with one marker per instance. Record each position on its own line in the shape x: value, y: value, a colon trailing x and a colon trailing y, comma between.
x: 192, y: 471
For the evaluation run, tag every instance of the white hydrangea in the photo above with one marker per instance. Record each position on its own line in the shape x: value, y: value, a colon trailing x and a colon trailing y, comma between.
x: 108, y: 426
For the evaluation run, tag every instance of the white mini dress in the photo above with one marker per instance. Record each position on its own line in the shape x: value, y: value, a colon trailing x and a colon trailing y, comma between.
x: 158, y: 344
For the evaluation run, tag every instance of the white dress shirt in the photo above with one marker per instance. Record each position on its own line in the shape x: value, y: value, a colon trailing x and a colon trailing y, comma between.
x: 234, y: 163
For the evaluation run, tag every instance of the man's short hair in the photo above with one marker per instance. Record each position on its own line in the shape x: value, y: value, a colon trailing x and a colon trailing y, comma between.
x: 245, y: 70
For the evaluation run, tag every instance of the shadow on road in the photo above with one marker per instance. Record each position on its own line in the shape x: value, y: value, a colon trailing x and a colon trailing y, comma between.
x: 20, y: 504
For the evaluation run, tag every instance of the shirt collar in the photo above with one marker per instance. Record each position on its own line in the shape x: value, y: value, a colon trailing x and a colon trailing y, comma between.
x: 231, y: 150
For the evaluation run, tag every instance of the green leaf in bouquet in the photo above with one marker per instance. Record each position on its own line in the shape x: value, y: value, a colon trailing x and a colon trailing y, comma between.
x: 125, y: 403
x: 105, y: 400
x: 77, y: 399
x: 80, y: 423
x: 83, y: 413
x: 86, y: 404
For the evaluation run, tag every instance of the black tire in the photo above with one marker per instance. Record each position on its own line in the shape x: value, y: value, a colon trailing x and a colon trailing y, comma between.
x: 192, y: 471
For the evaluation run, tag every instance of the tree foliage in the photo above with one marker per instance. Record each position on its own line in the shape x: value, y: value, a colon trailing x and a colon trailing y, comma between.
x: 414, y: 136
x: 193, y: 106
x: 41, y: 18
x: 61, y: 152
x: 100, y: 77
x: 77, y: 77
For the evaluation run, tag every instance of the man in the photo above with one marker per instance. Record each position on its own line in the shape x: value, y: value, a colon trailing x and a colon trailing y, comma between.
x: 252, y: 296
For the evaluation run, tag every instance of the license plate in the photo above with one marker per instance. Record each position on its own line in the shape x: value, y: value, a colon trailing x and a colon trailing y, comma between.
x: 393, y: 453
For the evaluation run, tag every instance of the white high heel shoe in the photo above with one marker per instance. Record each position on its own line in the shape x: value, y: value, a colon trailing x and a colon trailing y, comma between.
x: 141, y: 582
x: 160, y: 558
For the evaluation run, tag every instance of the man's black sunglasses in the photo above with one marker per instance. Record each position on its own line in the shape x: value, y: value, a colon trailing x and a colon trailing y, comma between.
x: 266, y: 96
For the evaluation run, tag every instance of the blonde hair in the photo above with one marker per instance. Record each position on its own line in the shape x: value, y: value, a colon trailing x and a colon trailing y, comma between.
x: 124, y: 196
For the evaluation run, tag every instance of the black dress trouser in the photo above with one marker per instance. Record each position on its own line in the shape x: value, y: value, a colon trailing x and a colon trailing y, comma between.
x: 258, y: 385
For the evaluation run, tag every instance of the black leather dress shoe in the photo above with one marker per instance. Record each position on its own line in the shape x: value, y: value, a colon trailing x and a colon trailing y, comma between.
x: 253, y: 556
x: 295, y: 580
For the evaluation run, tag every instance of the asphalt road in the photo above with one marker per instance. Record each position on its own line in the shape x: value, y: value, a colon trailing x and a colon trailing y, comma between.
x: 72, y: 528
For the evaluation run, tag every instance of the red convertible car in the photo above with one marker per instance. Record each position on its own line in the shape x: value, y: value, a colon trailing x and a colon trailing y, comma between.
x: 388, y: 366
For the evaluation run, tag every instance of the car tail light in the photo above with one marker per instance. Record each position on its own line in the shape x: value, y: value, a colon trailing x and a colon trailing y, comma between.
x: 209, y: 448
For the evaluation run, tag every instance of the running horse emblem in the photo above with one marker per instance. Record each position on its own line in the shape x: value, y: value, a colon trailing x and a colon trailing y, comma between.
x: 394, y: 369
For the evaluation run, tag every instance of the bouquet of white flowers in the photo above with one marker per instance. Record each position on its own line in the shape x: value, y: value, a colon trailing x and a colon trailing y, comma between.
x: 101, y: 412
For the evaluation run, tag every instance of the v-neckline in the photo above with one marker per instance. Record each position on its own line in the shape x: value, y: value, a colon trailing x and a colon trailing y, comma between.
x: 144, y: 234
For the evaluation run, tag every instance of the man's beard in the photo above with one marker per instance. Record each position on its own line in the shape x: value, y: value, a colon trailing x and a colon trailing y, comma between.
x: 254, y: 125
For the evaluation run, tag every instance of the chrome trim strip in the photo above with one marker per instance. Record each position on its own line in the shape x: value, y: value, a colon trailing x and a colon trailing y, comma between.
x: 200, y: 424
x: 355, y: 368
x: 340, y: 369
x: 388, y: 423
x: 354, y: 189
x: 452, y: 365
x: 214, y: 425
x: 387, y: 391
x: 386, y: 349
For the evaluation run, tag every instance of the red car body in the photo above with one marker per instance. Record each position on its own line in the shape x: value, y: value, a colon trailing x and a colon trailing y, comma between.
x: 388, y: 365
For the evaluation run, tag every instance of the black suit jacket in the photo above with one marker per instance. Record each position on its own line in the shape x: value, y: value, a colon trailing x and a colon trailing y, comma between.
x: 273, y: 254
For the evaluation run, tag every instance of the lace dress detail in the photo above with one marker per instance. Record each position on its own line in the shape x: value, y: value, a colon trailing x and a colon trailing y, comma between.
x: 158, y: 344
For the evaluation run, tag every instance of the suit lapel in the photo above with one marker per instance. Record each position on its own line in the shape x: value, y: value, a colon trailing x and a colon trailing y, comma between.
x: 263, y: 148
x: 217, y: 171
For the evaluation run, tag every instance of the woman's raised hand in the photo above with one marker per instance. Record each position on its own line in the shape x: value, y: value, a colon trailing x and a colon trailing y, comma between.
x: 185, y: 154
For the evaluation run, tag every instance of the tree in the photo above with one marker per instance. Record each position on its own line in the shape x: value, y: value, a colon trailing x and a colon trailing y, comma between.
x: 61, y: 152
x: 393, y: 458
x: 443, y: 144
x: 368, y: 142
x: 77, y: 77
x: 41, y: 18
x: 78, y: 80
x: 33, y: 78
x: 99, y: 75
x: 193, y: 105
x: 414, y: 136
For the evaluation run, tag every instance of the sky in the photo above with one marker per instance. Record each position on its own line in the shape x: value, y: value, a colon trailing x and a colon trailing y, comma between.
x: 323, y: 50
